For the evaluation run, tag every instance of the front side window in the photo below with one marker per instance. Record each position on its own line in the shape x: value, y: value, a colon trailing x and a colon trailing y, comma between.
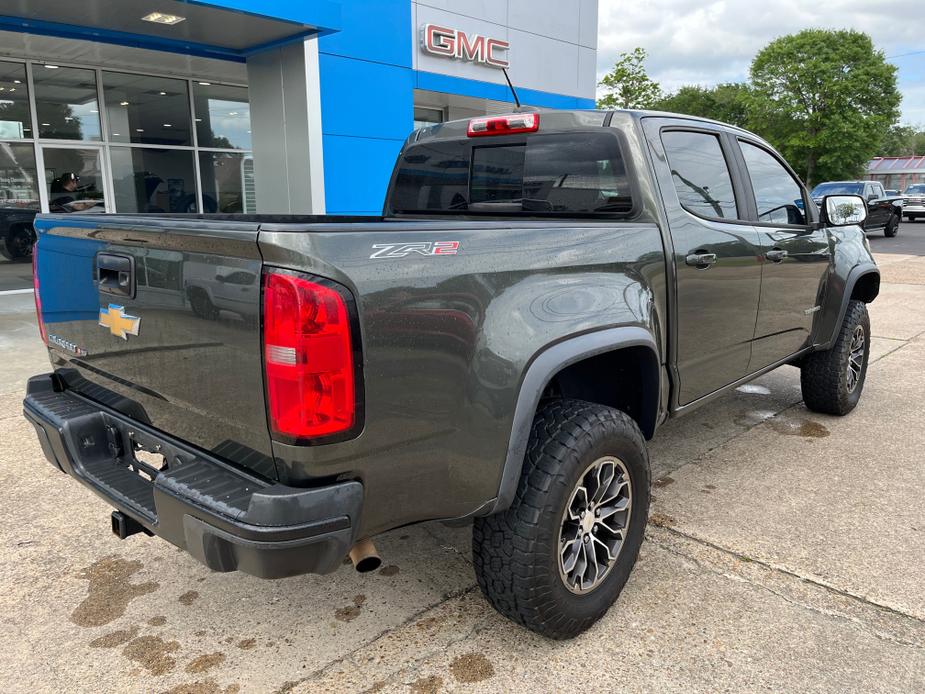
x: 65, y: 102
x: 777, y: 194
x: 700, y: 174
x: 580, y: 173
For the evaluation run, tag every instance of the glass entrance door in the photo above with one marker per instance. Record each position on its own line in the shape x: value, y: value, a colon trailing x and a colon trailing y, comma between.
x: 74, y: 180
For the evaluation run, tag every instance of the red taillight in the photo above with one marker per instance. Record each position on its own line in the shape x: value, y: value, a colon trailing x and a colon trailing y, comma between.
x: 308, y: 356
x: 504, y: 125
x: 38, y: 297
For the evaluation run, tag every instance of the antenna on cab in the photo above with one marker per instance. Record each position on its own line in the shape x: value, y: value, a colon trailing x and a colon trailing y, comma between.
x: 511, y: 86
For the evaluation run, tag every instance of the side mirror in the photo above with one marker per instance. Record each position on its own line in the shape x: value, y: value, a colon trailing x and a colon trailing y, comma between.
x: 220, y: 278
x: 872, y: 197
x: 843, y: 210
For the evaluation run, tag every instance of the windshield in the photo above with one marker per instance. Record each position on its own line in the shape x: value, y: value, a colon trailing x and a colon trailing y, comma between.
x: 837, y: 189
x: 557, y: 174
x: 916, y: 189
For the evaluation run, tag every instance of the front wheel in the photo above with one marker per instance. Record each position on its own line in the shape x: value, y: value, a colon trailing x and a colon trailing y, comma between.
x: 557, y: 559
x: 892, y: 227
x: 832, y: 380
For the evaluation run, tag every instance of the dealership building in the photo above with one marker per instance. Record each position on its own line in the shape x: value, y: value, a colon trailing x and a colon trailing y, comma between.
x: 288, y: 106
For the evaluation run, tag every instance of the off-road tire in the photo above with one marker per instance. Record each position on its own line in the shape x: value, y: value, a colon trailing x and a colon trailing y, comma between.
x: 824, y: 375
x: 516, y: 552
x: 892, y: 226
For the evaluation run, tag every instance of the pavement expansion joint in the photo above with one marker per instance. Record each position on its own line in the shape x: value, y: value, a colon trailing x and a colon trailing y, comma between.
x: 348, y: 657
x: 652, y: 535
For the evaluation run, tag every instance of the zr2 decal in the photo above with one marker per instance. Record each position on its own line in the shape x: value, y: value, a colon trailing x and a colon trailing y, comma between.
x: 403, y: 250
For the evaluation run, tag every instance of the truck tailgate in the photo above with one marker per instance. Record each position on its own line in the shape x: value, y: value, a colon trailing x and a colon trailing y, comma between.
x: 159, y: 319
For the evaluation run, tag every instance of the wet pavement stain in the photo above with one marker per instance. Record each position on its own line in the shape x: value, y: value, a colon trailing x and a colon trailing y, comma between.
x: 188, y: 598
x: 390, y: 570
x: 662, y: 520
x: 110, y: 591
x: 806, y: 428
x: 116, y: 638
x: 158, y: 621
x: 427, y: 685
x: 203, y: 687
x: 472, y: 667
x: 351, y: 612
x: 663, y: 482
x: 247, y: 644
x: 205, y: 662
x: 152, y: 653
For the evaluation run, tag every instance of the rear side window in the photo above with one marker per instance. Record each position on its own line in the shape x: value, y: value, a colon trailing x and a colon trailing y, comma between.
x: 777, y: 194
x: 700, y: 173
x: 559, y: 174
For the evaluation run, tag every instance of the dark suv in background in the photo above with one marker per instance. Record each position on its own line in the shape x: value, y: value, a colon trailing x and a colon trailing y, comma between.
x: 883, y: 212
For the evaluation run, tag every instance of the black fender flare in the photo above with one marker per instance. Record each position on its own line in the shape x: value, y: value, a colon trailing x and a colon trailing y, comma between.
x: 540, y: 371
x: 830, y: 329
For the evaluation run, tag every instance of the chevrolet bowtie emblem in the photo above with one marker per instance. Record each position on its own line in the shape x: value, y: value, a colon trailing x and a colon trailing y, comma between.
x: 118, y: 323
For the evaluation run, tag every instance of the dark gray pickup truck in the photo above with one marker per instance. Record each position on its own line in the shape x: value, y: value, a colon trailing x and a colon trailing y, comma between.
x: 542, y: 291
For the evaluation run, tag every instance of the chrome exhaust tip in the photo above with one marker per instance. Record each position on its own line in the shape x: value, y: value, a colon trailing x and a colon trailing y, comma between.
x: 364, y: 556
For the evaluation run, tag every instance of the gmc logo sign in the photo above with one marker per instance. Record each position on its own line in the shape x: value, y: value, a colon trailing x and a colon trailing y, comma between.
x: 452, y: 43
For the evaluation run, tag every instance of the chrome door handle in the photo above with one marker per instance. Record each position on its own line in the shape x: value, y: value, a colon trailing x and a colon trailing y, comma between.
x: 776, y: 255
x: 701, y: 260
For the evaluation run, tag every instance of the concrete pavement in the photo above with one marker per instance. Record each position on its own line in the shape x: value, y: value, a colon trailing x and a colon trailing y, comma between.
x: 786, y: 551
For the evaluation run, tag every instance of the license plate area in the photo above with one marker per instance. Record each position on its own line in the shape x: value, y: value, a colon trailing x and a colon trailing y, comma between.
x: 138, y: 452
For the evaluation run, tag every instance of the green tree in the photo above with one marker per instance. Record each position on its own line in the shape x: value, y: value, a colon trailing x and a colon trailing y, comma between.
x: 824, y: 99
x: 903, y: 141
x: 724, y: 102
x: 628, y: 85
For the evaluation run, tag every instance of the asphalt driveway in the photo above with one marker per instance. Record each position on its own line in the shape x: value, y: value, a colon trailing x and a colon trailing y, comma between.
x: 785, y: 551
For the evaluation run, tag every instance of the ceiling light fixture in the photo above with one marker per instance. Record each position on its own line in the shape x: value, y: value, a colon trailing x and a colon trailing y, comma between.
x: 206, y: 84
x: 51, y: 67
x: 163, y: 18
x: 123, y: 103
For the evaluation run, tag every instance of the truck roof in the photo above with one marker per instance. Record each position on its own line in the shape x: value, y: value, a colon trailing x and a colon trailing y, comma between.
x: 559, y: 120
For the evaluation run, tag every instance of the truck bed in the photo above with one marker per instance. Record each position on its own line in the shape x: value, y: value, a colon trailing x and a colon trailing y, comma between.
x: 443, y: 337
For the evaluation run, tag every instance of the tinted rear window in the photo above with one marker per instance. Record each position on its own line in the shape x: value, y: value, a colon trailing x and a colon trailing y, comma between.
x: 574, y: 173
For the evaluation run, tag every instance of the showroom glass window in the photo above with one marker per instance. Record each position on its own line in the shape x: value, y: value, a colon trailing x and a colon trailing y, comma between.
x: 75, y: 138
x: 147, y: 110
x: 18, y: 179
x: 65, y: 102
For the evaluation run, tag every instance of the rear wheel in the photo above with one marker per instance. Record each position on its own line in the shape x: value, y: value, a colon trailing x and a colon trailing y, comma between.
x: 558, y: 558
x: 202, y: 305
x: 19, y: 243
x: 892, y: 227
x: 832, y: 380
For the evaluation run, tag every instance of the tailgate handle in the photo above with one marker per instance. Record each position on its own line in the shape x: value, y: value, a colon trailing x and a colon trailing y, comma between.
x: 116, y: 274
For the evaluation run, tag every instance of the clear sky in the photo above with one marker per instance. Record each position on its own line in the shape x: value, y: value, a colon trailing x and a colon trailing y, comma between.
x: 704, y: 43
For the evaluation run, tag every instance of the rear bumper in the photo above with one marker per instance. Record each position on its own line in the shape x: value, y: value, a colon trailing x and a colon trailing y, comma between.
x: 914, y: 209
x: 222, y: 516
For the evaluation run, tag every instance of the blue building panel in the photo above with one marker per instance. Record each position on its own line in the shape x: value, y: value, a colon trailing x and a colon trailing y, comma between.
x: 364, y: 99
x: 449, y: 84
x: 357, y: 172
x: 374, y: 30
